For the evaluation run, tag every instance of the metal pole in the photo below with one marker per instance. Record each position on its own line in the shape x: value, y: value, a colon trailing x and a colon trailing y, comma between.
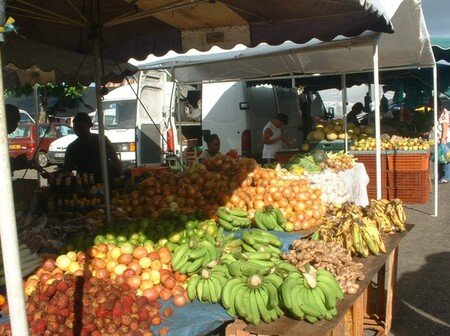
x: 101, y: 124
x: 8, y: 230
x: 179, y: 131
x: 435, y: 117
x: 36, y: 119
x: 344, y: 109
x: 376, y: 81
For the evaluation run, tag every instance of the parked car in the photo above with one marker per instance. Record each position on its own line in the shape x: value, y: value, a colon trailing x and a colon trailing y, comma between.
x: 57, y: 149
x: 22, y: 140
x: 25, y: 117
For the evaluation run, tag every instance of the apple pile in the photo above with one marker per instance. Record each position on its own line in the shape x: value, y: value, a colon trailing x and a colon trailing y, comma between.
x: 145, y: 271
x: 88, y: 306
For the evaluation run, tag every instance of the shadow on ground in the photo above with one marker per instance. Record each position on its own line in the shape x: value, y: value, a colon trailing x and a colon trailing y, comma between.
x: 422, y: 302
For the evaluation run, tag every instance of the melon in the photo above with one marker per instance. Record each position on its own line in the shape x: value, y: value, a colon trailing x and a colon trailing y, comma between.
x: 337, y: 128
x: 341, y: 136
x: 319, y: 135
x: 331, y: 136
x: 310, y: 136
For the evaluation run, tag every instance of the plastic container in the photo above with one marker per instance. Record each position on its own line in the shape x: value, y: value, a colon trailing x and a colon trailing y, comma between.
x: 409, y: 161
x: 411, y: 195
x: 409, y: 179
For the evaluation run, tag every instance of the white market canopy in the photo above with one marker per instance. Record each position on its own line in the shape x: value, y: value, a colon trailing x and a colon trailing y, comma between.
x: 408, y: 47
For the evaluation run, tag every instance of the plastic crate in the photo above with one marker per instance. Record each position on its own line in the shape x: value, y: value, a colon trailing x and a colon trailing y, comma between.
x: 404, y: 161
x: 414, y: 178
x: 369, y: 160
x: 329, y: 146
x: 411, y: 195
x: 372, y: 192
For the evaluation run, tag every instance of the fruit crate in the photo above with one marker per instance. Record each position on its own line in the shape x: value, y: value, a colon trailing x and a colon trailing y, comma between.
x: 409, y: 161
x: 329, y: 146
x: 412, y: 179
x: 411, y: 195
x: 368, y: 158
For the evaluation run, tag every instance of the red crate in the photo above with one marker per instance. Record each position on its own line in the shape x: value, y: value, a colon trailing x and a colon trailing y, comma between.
x: 411, y: 195
x: 369, y: 161
x: 372, y: 192
x: 409, y: 162
x: 408, y: 179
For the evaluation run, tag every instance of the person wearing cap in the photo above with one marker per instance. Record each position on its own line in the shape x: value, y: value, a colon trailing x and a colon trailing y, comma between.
x: 83, y: 154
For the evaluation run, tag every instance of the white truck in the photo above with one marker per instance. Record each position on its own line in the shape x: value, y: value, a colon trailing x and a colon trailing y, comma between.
x: 144, y: 131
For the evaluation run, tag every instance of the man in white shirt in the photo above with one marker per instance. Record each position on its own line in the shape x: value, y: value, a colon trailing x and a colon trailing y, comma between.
x: 273, y: 137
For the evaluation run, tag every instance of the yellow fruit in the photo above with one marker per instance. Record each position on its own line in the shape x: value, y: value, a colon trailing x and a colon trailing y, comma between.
x: 331, y: 136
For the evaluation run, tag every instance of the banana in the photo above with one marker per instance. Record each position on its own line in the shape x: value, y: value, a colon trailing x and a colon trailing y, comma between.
x: 248, y: 248
x: 284, y: 269
x: 356, y: 234
x: 192, y: 286
x: 183, y: 268
x: 373, y: 231
x: 248, y: 238
x: 279, y: 216
x: 295, y: 309
x: 330, y: 297
x: 214, y: 292
x: 287, y: 289
x: 200, y: 290
x: 238, y: 213
x: 206, y: 292
x: 224, y: 214
x: 253, y: 304
x: 311, y: 319
x: 249, y: 267
x: 262, y: 305
x: 229, y: 291
x: 239, y: 302
x: 211, y: 251
x: 235, y: 268
x: 273, y: 294
x: 200, y: 252
x: 225, y: 224
x: 317, y: 301
x: 258, y: 220
x: 272, y: 239
x: 179, y: 254
x: 270, y: 220
x: 259, y: 255
x: 373, y: 247
x: 325, y: 276
x: 275, y: 279
x: 195, y: 266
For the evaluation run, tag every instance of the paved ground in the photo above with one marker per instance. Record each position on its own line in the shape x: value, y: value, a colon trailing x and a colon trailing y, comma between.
x: 423, y: 300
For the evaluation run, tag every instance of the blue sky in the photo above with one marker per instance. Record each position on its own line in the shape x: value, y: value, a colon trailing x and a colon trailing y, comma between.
x: 437, y: 16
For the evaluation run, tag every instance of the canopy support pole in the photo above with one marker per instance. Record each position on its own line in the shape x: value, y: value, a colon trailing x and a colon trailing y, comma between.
x: 435, y: 117
x: 179, y: 132
x: 101, y: 121
x: 344, y: 109
x: 36, y: 121
x: 376, y: 82
x: 8, y: 228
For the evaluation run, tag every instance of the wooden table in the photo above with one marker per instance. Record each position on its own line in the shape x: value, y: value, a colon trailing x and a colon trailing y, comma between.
x: 356, y: 307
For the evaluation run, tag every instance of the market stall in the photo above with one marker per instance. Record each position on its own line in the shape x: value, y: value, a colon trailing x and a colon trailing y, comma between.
x: 55, y: 284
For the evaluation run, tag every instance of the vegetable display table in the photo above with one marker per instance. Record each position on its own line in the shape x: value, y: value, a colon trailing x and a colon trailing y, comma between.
x: 354, y: 310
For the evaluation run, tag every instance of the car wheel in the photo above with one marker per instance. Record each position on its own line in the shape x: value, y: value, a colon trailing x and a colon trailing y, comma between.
x: 43, y: 159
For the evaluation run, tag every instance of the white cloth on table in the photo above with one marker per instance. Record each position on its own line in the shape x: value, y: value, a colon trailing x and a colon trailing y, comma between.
x: 356, y: 180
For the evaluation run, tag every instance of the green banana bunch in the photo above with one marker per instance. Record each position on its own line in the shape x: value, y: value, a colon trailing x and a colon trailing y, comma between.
x: 254, y: 298
x: 311, y: 296
x: 207, y: 286
x: 190, y: 258
x: 234, y: 219
x: 270, y: 219
x: 261, y: 241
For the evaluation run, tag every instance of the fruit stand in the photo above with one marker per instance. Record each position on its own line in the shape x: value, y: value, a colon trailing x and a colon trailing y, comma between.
x: 225, y: 240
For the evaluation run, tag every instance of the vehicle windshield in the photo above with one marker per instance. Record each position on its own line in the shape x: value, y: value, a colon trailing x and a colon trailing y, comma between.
x: 118, y: 114
x: 63, y: 130
x: 22, y: 131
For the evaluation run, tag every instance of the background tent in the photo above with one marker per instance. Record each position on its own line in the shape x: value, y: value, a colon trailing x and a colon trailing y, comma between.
x: 441, y: 48
x: 408, y: 47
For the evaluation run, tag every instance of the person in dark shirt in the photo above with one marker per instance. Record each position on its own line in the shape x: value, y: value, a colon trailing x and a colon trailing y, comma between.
x: 83, y: 154
x: 352, y: 115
